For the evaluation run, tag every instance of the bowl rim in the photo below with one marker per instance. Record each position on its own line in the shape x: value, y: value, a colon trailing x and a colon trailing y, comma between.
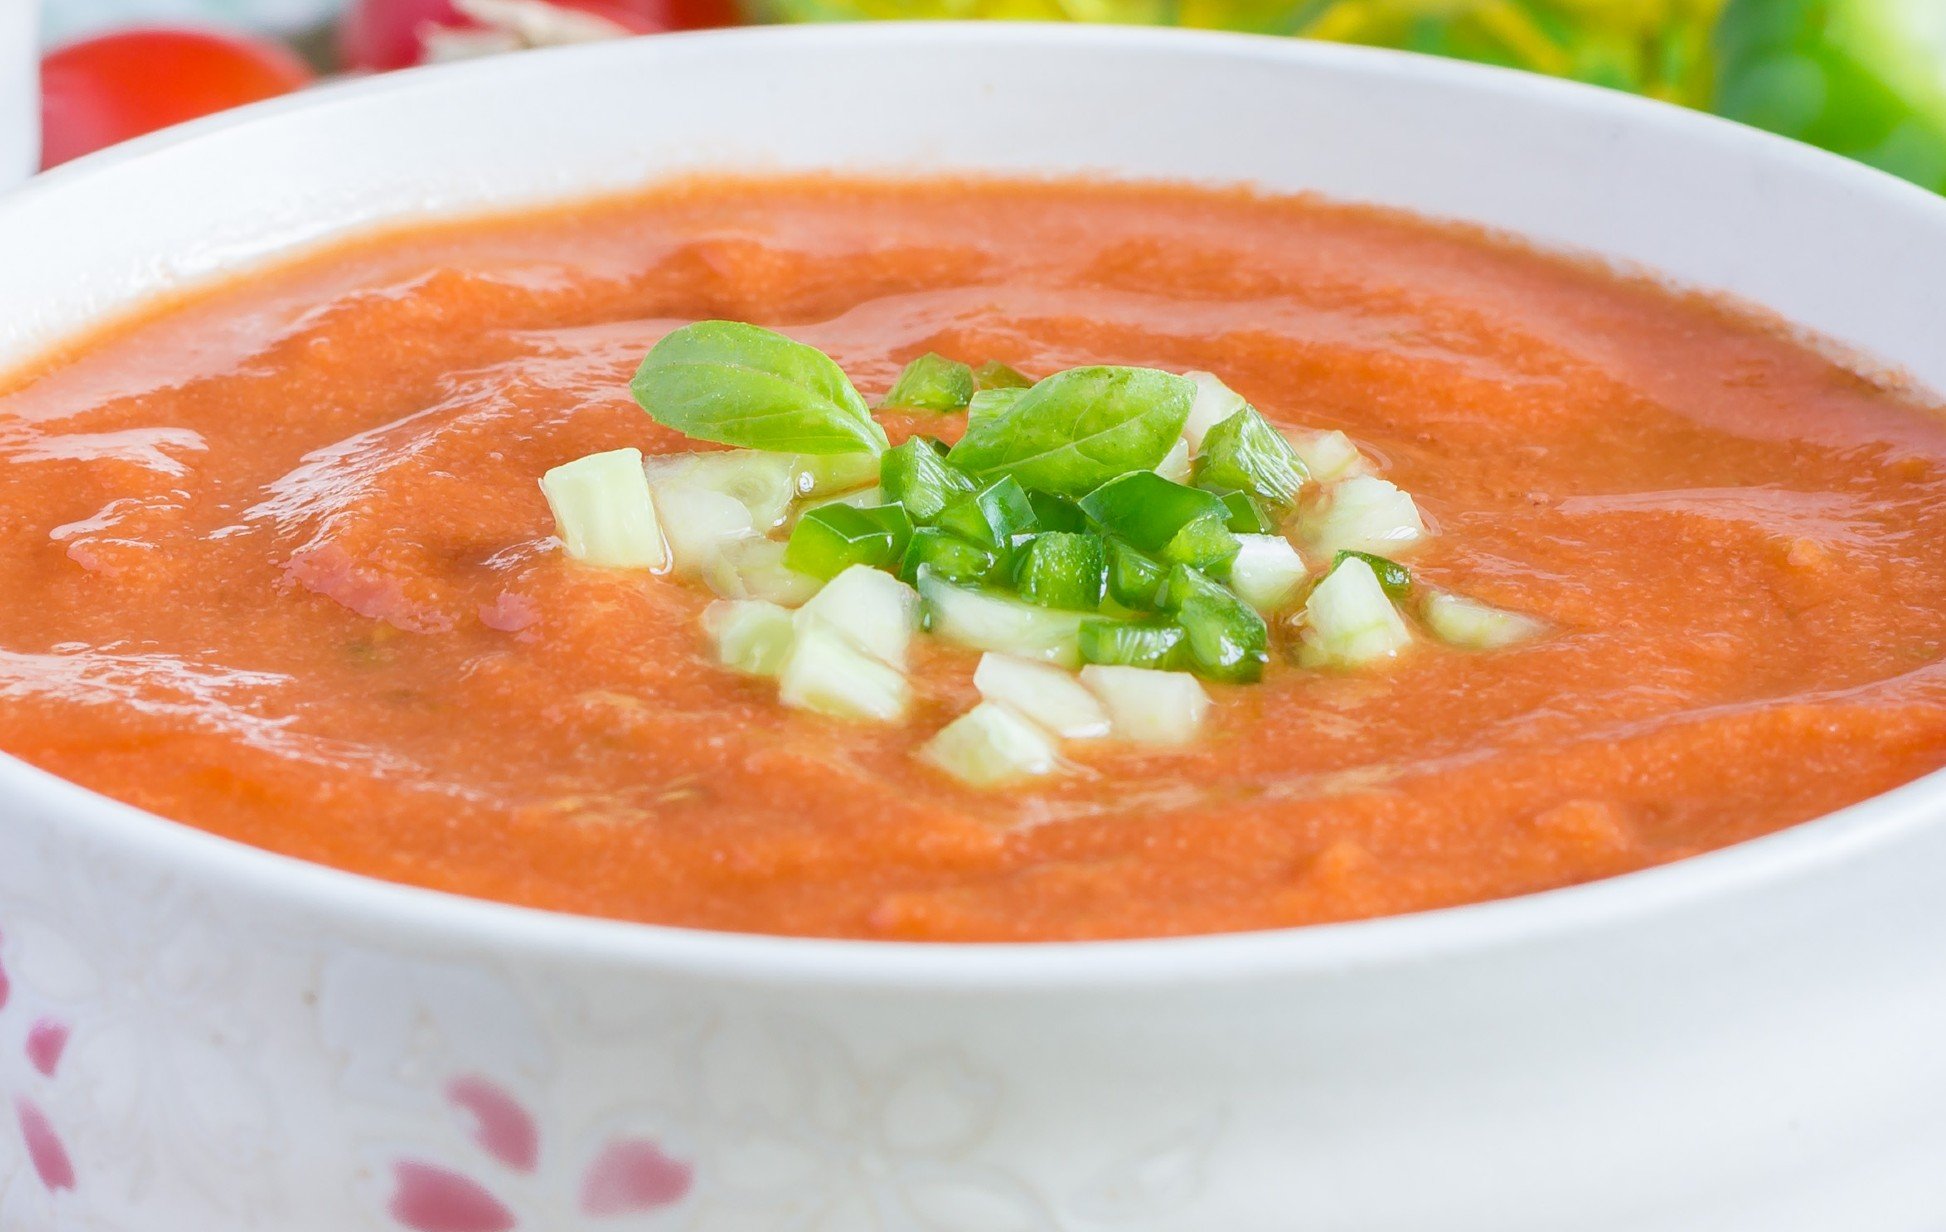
x: 1796, y: 852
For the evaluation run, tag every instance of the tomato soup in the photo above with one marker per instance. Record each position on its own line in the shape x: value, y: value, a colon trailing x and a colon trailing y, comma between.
x: 279, y: 568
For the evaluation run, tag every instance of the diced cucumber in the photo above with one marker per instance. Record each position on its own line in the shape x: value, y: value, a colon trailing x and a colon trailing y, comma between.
x: 857, y: 498
x: 1149, y: 707
x: 764, y: 483
x: 604, y: 512
x: 1176, y: 467
x: 1363, y: 514
x: 983, y: 620
x: 1228, y: 641
x: 991, y: 516
x: 1248, y: 514
x: 1053, y: 512
x: 915, y: 475
x: 1063, y: 570
x: 932, y: 383
x: 874, y: 610
x: 1349, y: 620
x: 1246, y: 454
x: 828, y: 673
x: 991, y: 745
x: 1160, y: 644
x: 1171, y: 522
x: 1395, y: 577
x: 991, y: 402
x: 750, y: 635
x: 995, y: 375
x: 1468, y: 623
x: 1327, y: 456
x: 1044, y: 693
x: 699, y: 523
x: 1215, y: 402
x: 825, y: 474
x: 1134, y: 578
x: 754, y: 568
x: 948, y: 556
x: 1267, y: 573
x: 832, y: 538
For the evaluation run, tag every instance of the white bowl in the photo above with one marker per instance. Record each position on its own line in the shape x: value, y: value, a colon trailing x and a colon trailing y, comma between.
x: 1746, y: 1040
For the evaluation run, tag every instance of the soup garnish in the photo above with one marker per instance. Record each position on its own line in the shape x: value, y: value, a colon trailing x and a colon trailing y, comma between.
x: 1126, y: 523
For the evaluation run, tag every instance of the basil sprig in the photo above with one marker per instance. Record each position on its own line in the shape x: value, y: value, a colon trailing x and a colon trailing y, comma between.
x: 1078, y: 429
x: 739, y: 384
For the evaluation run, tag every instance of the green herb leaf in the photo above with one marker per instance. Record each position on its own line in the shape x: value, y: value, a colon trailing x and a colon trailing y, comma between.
x: 1078, y: 429
x: 740, y: 384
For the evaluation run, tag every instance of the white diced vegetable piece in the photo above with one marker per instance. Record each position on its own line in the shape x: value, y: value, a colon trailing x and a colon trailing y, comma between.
x: 990, y: 745
x: 1042, y: 692
x: 764, y: 483
x: 828, y: 673
x: 873, y: 609
x: 1328, y: 456
x: 1363, y: 514
x: 1175, y: 468
x: 982, y: 620
x: 1147, y: 706
x: 823, y: 474
x: 699, y: 523
x: 1349, y: 620
x: 1267, y: 572
x: 604, y: 513
x: 862, y: 498
x: 1215, y: 402
x: 754, y: 568
x: 751, y: 636
x: 1459, y: 621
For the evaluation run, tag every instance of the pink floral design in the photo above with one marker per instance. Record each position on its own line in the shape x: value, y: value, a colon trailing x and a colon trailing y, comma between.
x: 47, y: 1039
x: 629, y: 1175
x: 429, y: 1198
x: 44, y: 1148
x: 632, y: 1175
x: 501, y: 1126
x: 43, y: 1045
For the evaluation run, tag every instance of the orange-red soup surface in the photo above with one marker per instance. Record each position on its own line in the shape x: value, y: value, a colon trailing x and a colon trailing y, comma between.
x: 277, y: 566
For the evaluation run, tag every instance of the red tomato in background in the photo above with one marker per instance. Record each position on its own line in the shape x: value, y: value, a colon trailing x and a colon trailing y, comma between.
x: 99, y: 91
x: 380, y: 35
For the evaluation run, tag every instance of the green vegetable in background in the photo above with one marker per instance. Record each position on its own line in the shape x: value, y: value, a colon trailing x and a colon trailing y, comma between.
x: 1866, y: 78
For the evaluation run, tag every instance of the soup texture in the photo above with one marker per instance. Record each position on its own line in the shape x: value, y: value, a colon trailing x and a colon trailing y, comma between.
x: 278, y: 567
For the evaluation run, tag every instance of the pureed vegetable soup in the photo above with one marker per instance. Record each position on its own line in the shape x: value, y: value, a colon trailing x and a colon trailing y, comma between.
x: 1640, y: 577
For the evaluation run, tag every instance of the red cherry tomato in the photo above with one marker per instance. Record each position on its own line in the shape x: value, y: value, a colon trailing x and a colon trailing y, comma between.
x: 380, y: 35
x: 99, y: 91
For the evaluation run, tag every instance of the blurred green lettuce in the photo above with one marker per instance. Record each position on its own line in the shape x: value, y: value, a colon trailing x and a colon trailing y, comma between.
x: 1866, y: 78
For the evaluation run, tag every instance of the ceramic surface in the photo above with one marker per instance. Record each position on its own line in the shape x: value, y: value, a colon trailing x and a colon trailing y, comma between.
x: 197, y: 1037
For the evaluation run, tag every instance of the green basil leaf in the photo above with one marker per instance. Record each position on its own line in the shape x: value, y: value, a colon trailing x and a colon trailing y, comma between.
x: 1078, y: 429
x: 740, y: 384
